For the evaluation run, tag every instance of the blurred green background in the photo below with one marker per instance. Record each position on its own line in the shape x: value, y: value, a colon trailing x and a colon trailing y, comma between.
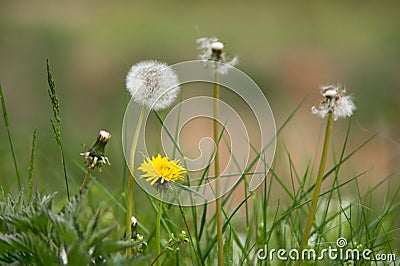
x: 288, y: 49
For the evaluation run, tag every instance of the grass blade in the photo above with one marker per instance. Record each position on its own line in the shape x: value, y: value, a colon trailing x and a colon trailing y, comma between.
x: 56, y: 126
x: 31, y: 164
x: 7, y: 124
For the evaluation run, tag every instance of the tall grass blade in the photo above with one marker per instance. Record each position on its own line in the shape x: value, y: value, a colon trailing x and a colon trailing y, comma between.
x: 197, y: 253
x: 57, y: 125
x: 228, y: 249
x: 225, y: 225
x: 7, y: 124
x: 31, y: 165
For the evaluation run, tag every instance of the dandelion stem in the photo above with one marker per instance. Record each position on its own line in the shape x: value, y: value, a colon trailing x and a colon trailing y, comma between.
x: 318, y: 183
x: 130, y: 178
x: 158, y: 230
x: 3, y: 105
x: 86, y: 179
x: 216, y: 172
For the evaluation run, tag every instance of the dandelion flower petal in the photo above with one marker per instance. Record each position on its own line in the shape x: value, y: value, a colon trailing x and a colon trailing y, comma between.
x: 160, y: 170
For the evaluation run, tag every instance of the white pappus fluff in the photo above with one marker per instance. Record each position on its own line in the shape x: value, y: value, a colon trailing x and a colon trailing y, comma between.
x: 153, y: 84
x: 336, y: 102
x: 204, y: 44
x: 212, y: 50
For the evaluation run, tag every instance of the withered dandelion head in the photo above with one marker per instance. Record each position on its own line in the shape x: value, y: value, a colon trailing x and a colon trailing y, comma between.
x: 212, y: 50
x: 153, y: 84
x: 335, y: 101
x: 94, y: 156
x: 160, y: 171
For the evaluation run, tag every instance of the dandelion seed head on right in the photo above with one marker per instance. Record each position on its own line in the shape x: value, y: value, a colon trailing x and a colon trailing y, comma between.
x: 335, y: 101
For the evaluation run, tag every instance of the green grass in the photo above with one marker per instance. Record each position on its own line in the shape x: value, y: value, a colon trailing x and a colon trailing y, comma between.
x: 90, y: 227
x: 31, y: 165
x: 7, y: 124
x: 57, y: 125
x: 33, y: 233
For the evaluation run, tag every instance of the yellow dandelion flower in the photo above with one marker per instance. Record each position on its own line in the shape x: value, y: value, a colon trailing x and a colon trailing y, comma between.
x: 158, y: 170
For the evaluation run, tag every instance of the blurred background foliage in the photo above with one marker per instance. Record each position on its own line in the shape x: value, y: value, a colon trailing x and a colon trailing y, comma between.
x: 288, y: 49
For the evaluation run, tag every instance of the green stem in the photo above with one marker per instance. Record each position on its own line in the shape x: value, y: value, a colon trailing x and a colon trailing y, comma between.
x: 86, y: 179
x: 131, y: 176
x: 163, y: 251
x: 217, y: 172
x: 3, y: 105
x: 318, y: 184
x: 158, y: 230
x: 57, y: 125
x: 31, y: 165
x: 64, y: 167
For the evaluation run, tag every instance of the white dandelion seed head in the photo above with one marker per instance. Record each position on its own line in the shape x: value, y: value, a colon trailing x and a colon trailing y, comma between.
x: 153, y: 84
x: 321, y: 112
x: 212, y: 50
x: 344, y: 107
x: 336, y: 102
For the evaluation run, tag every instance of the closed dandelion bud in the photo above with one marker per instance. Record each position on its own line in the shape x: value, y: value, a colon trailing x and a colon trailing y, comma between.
x: 153, y: 84
x: 134, y: 227
x: 183, y: 236
x: 133, y: 221
x: 335, y: 101
x: 94, y: 156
